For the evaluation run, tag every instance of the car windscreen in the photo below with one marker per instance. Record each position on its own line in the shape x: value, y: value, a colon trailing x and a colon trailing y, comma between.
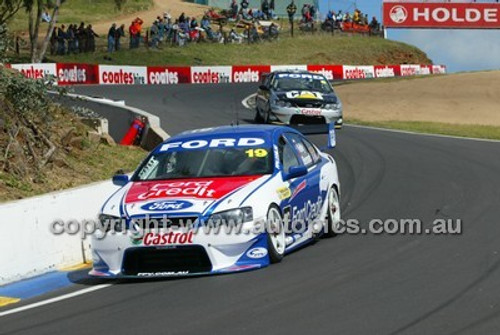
x: 301, y: 82
x: 213, y: 162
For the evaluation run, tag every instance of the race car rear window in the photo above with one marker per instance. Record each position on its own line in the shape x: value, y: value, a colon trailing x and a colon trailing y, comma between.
x: 213, y: 162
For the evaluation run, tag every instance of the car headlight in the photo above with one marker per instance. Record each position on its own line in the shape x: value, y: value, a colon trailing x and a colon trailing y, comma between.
x: 283, y: 103
x: 110, y: 222
x: 336, y: 106
x: 231, y: 217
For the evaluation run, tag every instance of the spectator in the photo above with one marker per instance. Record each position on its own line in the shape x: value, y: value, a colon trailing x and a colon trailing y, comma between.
x: 91, y: 35
x: 271, y: 9
x: 46, y: 16
x: 234, y: 8
x: 81, y: 35
x: 312, y: 11
x: 305, y: 10
x: 132, y: 32
x: 374, y: 24
x: 182, y: 18
x: 365, y: 19
x: 265, y: 9
x: 111, y: 38
x: 291, y: 9
x: 119, y: 33
x: 61, y: 37
x: 53, y: 42
x: 356, y: 17
x: 154, y: 35
x: 72, y: 39
x: 244, y: 4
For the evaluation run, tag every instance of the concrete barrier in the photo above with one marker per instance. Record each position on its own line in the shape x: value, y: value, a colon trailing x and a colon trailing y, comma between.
x: 28, y: 246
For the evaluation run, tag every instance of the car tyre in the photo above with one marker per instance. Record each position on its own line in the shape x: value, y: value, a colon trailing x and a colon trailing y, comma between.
x: 333, y: 217
x: 276, y: 241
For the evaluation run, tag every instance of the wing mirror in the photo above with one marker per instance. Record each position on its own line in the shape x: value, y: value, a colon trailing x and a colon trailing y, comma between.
x: 295, y: 171
x: 120, y: 179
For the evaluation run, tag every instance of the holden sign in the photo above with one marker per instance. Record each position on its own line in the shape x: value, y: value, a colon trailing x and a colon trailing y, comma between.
x: 400, y: 14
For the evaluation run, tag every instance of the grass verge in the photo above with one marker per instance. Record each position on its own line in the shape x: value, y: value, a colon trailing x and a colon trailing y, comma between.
x: 468, y: 131
x: 302, y: 49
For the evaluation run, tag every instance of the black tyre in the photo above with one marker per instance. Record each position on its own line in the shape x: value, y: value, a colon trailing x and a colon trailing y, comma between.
x: 333, y: 218
x: 276, y: 241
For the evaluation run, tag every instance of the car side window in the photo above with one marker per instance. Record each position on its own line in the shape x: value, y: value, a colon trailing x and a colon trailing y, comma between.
x: 287, y: 155
x: 312, y: 150
x: 301, y: 149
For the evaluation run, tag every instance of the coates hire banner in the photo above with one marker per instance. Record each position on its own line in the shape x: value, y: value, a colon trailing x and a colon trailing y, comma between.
x: 75, y: 74
x: 453, y: 15
x: 122, y: 75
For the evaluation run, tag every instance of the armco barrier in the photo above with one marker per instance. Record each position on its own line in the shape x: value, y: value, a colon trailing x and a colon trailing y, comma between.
x: 28, y: 246
x: 78, y: 74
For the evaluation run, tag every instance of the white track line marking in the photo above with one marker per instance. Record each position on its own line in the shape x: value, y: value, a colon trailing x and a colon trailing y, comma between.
x: 55, y: 299
x: 422, y: 134
x: 244, y: 102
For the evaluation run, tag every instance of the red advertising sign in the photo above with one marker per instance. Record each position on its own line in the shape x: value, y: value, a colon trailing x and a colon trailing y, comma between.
x: 72, y: 74
x: 330, y: 72
x: 249, y: 73
x: 470, y: 15
x: 169, y: 75
x: 387, y: 71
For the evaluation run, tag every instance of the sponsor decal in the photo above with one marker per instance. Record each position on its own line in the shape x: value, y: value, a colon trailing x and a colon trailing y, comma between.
x: 310, y: 111
x: 122, y: 75
x: 249, y: 74
x: 203, y: 188
x: 172, y: 237
x: 73, y: 74
x: 400, y: 14
x: 284, y: 192
x: 257, y: 253
x: 214, y: 143
x: 302, y: 215
x: 425, y: 69
x: 162, y: 274
x: 167, y: 206
x: 211, y: 74
x: 301, y: 76
x: 36, y: 71
x: 168, y: 75
x: 298, y: 189
x: 330, y: 72
x: 304, y: 95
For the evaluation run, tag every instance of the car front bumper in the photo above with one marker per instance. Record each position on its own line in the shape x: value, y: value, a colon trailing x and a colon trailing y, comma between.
x: 291, y: 115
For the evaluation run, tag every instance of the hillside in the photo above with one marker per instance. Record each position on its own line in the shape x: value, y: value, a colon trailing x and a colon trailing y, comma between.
x: 302, y: 49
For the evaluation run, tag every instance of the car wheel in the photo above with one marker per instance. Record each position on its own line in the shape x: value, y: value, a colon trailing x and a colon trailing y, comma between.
x: 258, y: 117
x: 333, y: 213
x: 275, y: 235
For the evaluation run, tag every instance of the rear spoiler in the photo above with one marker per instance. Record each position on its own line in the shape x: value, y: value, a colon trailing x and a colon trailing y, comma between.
x: 319, y: 129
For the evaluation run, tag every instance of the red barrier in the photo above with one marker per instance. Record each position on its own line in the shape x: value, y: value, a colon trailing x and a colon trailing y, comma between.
x: 331, y: 72
x: 134, y: 132
x: 352, y: 27
x: 166, y: 75
x: 74, y: 74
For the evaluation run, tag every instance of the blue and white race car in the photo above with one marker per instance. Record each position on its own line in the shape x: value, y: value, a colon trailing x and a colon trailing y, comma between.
x: 218, y: 200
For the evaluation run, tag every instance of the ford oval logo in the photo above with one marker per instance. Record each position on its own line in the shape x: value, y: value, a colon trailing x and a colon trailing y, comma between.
x: 167, y: 205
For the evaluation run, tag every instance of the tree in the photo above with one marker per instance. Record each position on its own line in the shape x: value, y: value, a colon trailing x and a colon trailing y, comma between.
x: 35, y: 10
x: 9, y: 8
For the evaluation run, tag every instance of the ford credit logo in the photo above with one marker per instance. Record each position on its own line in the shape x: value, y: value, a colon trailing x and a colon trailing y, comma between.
x: 167, y: 206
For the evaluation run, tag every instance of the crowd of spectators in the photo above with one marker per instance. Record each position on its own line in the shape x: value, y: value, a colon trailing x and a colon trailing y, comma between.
x: 74, y: 39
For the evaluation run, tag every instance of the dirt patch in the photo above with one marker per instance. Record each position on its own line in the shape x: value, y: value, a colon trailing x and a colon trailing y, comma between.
x: 174, y: 7
x: 464, y: 98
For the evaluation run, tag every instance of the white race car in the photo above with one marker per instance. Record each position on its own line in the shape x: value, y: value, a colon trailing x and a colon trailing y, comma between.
x: 218, y: 200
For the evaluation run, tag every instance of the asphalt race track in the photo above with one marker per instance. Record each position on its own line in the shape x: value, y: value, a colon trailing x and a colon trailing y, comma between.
x: 352, y: 284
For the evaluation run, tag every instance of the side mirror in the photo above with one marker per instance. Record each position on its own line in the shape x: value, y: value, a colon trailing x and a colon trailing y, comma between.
x: 120, y: 179
x: 263, y: 88
x: 295, y: 171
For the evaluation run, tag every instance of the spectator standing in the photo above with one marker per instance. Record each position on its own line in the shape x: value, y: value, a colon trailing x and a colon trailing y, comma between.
x: 91, y: 35
x: 304, y: 12
x: 291, y: 9
x: 61, y: 37
x: 81, y: 35
x: 234, y: 8
x: 312, y: 12
x: 131, y: 33
x: 265, y: 8
x: 154, y: 31
x: 111, y: 38
x: 72, y: 40
x: 119, y: 33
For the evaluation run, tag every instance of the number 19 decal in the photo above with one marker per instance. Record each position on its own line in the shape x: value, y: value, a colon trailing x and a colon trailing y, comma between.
x: 259, y: 153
